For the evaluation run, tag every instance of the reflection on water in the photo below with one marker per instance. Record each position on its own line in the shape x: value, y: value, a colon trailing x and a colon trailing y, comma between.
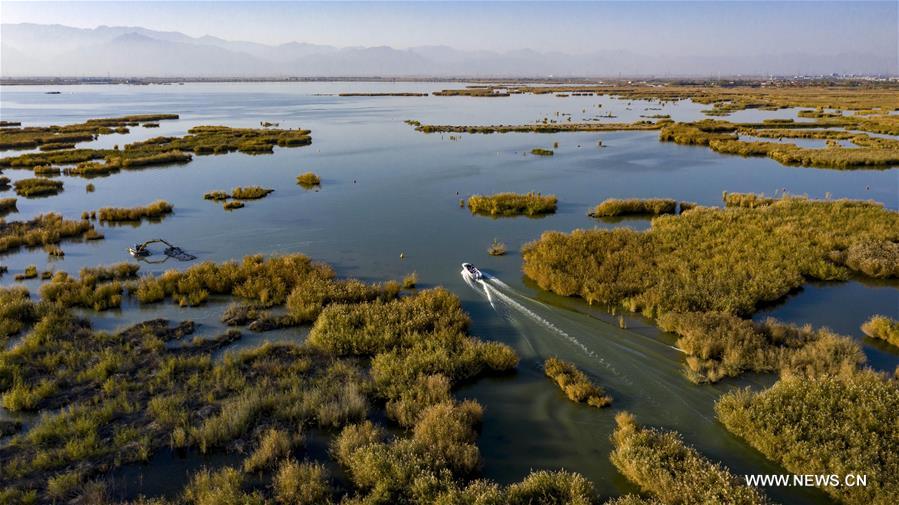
x: 387, y: 189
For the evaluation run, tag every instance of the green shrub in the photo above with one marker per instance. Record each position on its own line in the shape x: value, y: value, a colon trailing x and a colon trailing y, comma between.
x: 222, y: 487
x: 274, y: 445
x: 302, y: 484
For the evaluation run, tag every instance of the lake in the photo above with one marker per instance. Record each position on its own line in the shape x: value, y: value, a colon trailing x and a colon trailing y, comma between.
x: 388, y: 205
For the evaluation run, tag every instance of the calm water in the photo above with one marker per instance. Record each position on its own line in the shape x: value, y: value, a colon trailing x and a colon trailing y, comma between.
x: 389, y: 190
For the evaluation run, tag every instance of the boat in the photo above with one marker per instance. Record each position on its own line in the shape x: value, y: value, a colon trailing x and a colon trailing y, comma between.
x: 472, y: 271
x: 139, y: 250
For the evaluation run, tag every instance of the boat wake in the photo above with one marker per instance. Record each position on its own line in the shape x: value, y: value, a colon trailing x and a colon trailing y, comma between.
x: 493, y: 290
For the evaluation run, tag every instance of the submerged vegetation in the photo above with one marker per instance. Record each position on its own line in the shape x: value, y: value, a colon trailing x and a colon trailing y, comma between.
x: 882, y: 327
x: 575, y: 383
x: 512, y: 204
x: 838, y: 424
x: 711, y: 259
x: 155, y: 210
x: 618, y: 207
x: 662, y: 464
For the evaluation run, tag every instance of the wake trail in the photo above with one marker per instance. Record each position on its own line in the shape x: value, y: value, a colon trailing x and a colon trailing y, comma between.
x: 510, y: 302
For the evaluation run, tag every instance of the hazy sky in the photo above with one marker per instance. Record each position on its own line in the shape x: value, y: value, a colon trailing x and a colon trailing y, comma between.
x: 660, y: 27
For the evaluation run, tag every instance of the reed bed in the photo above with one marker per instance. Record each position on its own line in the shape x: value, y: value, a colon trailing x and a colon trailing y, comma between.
x: 825, y: 435
x: 250, y: 192
x: 513, y: 204
x: 152, y: 211
x: 660, y: 463
x: 882, y: 327
x: 743, y: 256
x: 308, y: 179
x: 720, y: 345
x: 634, y: 206
x: 37, y: 186
x: 575, y: 383
x: 45, y: 229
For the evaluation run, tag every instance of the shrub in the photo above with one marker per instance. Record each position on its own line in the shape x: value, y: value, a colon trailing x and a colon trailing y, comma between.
x: 552, y: 488
x: 575, y: 384
x: 512, y: 204
x: 882, y: 327
x: 274, y: 445
x: 222, y: 487
x: 616, y: 207
x: 837, y: 424
x: 233, y: 204
x: 302, y: 484
x: 308, y: 179
x: 410, y: 280
x: 660, y: 463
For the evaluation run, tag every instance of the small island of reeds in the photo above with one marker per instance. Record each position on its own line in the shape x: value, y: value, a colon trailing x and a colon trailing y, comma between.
x: 634, y: 206
x: 155, y: 210
x: 308, y: 179
x: 513, y: 204
x: 575, y: 383
x: 37, y: 186
x: 882, y: 327
x: 542, y: 152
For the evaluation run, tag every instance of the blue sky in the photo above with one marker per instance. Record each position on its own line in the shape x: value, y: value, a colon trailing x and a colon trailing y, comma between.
x: 660, y: 27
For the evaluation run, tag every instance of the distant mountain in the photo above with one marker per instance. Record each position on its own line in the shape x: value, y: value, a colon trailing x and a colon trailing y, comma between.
x: 128, y: 51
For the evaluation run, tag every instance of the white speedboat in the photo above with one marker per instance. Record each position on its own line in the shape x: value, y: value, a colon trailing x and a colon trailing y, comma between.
x: 472, y: 271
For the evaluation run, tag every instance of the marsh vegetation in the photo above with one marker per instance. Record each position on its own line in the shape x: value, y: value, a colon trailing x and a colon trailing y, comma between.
x: 37, y: 186
x: 308, y: 179
x: 45, y: 229
x: 634, y: 206
x: 660, y: 463
x: 712, y: 259
x: 882, y: 327
x: 153, y: 211
x: 512, y: 204
x: 839, y: 424
x: 575, y: 383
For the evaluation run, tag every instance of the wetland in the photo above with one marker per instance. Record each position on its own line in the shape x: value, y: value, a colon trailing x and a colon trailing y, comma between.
x: 297, y: 360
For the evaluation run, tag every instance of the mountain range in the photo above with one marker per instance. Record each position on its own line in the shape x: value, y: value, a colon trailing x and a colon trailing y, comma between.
x: 36, y: 50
